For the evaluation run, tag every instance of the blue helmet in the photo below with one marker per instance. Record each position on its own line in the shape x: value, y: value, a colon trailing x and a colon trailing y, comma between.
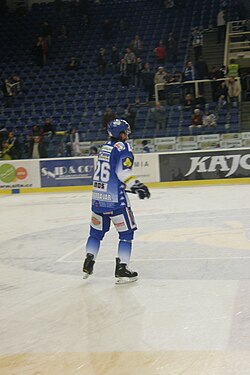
x: 115, y: 127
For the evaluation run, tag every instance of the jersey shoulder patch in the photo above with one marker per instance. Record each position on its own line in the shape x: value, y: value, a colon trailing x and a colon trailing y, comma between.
x: 127, y: 163
x: 120, y: 146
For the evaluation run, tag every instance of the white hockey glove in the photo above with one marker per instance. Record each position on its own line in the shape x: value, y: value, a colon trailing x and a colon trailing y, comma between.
x: 140, y: 189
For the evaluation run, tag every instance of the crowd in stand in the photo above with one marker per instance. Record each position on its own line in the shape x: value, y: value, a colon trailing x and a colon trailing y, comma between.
x: 34, y: 147
x: 131, y: 70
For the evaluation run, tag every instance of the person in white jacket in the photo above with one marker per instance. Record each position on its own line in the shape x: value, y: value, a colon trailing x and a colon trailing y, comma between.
x: 234, y: 89
x: 74, y: 142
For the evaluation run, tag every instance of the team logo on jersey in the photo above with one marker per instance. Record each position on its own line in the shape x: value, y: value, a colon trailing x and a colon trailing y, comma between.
x: 95, y: 221
x: 127, y: 163
x: 120, y: 146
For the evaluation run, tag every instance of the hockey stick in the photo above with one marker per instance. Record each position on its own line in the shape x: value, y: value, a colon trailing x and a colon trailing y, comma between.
x: 129, y: 191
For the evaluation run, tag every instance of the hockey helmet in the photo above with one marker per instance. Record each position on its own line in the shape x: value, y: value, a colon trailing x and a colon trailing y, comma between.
x: 115, y: 127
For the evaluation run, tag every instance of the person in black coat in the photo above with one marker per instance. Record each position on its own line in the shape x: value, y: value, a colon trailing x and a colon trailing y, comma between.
x: 147, y: 76
x: 37, y: 148
x: 15, y: 145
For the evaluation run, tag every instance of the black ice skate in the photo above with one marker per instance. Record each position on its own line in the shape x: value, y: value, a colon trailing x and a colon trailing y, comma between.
x: 88, y: 265
x: 123, y: 274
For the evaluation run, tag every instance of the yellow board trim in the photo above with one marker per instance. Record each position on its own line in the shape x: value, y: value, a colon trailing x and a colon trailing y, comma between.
x: 171, y: 184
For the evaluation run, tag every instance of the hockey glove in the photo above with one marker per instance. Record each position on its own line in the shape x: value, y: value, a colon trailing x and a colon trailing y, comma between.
x: 140, y: 189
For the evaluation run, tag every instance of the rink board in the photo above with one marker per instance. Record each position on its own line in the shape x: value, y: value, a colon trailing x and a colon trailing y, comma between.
x: 171, y: 169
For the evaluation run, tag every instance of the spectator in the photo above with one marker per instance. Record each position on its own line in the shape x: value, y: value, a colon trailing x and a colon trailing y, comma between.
x: 101, y: 61
x: 7, y: 93
x: 48, y: 128
x: 169, y: 4
x: 138, y: 71
x: 158, y: 116
x: 213, y: 75
x: 200, y: 102
x: 145, y: 147
x: 6, y: 153
x: 201, y: 71
x: 36, y: 131
x: 130, y: 60
x: 233, y: 69
x: 171, y: 48
x: 147, y: 76
x: 124, y: 77
x: 129, y: 115
x: 15, y: 146
x: 93, y: 151
x: 222, y: 90
x: 136, y: 46
x: 189, y: 75
x: 63, y: 33
x: 222, y: 102
x: 37, y: 148
x: 45, y: 48
x: 209, y: 119
x: 3, y: 134
x: 160, y: 78
x: 16, y: 85
x: 174, y: 91
x: 189, y: 72
x: 108, y: 116
x: 188, y: 103
x: 221, y: 26
x: 234, y: 89
x: 40, y: 51
x: 115, y: 60
x: 222, y: 71
x: 197, y: 43
x: 74, y: 143
x: 196, y: 121
x: 122, y: 25
x: 160, y: 53
x: 72, y: 64
x: 107, y: 29
x: 47, y: 32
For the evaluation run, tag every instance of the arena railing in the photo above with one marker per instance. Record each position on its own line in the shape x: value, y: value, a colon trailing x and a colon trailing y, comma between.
x: 237, y: 43
x: 195, y: 83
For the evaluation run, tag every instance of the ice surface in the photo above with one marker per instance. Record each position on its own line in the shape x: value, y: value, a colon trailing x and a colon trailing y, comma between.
x: 187, y: 314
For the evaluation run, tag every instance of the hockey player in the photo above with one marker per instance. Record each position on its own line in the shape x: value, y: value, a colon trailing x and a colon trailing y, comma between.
x: 110, y: 202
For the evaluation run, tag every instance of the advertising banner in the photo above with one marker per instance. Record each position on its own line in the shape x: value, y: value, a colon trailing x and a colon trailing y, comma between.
x: 146, y: 167
x: 18, y: 174
x: 205, y: 165
x: 67, y: 172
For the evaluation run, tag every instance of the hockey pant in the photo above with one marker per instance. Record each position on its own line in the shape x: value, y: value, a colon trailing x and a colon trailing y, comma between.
x: 123, y: 220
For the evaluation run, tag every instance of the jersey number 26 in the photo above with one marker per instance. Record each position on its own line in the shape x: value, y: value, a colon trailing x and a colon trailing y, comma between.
x: 102, y: 172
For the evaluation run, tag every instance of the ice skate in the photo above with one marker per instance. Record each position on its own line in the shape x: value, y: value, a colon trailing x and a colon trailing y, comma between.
x: 88, y: 265
x: 123, y: 274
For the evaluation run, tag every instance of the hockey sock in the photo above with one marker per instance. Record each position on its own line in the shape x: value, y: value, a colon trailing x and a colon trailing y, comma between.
x: 124, y: 251
x: 93, y: 246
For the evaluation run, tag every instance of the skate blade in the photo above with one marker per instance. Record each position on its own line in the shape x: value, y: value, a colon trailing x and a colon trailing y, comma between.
x: 125, y: 280
x: 85, y: 275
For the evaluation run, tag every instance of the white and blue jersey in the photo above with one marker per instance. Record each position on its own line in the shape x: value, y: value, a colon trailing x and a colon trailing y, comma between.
x: 112, y: 174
